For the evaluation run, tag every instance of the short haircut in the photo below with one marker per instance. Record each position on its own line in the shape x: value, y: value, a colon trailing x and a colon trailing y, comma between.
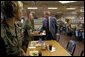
x: 47, y: 12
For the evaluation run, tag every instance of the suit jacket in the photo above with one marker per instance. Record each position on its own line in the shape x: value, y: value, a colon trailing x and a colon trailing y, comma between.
x: 52, y: 25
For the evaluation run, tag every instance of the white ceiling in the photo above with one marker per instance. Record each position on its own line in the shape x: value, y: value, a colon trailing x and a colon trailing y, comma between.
x: 53, y: 4
x: 42, y: 5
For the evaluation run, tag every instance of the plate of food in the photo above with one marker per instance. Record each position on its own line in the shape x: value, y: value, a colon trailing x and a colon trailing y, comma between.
x: 33, y: 53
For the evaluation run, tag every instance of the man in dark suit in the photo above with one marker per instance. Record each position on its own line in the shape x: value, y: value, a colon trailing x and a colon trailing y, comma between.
x: 49, y: 25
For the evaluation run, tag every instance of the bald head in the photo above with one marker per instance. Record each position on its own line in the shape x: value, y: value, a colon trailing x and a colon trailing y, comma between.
x: 47, y: 13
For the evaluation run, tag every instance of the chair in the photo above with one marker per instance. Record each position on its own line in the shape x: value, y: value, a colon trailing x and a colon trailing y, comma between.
x: 83, y: 35
x: 80, y: 35
x: 71, y: 47
x: 82, y: 53
x: 76, y: 34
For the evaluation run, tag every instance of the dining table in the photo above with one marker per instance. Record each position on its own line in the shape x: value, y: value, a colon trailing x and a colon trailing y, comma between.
x: 58, y: 49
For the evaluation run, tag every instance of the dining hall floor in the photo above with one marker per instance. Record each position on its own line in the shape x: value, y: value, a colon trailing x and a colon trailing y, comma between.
x: 79, y: 44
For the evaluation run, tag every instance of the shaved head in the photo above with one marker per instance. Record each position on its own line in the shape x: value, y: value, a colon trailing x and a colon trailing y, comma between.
x: 47, y: 13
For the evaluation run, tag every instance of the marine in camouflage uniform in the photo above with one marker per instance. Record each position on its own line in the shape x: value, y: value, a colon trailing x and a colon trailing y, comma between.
x: 9, y: 32
x: 12, y: 39
x: 31, y: 24
x: 25, y: 34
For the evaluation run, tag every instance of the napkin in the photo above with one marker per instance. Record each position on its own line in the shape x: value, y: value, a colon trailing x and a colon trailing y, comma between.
x: 33, y: 53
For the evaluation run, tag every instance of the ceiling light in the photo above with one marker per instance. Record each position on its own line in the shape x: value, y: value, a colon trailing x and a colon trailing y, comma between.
x: 70, y: 8
x: 52, y: 8
x: 64, y: 2
x: 32, y: 8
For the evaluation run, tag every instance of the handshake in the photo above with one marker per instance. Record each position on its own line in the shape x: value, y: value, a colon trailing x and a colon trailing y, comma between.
x: 42, y: 33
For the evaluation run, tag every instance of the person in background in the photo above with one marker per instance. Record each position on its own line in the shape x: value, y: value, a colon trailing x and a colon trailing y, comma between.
x: 68, y: 27
x: 83, y: 26
x: 31, y: 24
x: 31, y: 21
x: 25, y: 30
x: 49, y: 24
x: 79, y: 26
x: 80, y: 30
x: 83, y: 31
x: 9, y: 32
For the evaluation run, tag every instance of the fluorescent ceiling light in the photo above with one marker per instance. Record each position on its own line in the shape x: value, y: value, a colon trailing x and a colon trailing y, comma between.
x: 64, y: 2
x: 52, y: 8
x: 70, y: 8
x: 32, y: 8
